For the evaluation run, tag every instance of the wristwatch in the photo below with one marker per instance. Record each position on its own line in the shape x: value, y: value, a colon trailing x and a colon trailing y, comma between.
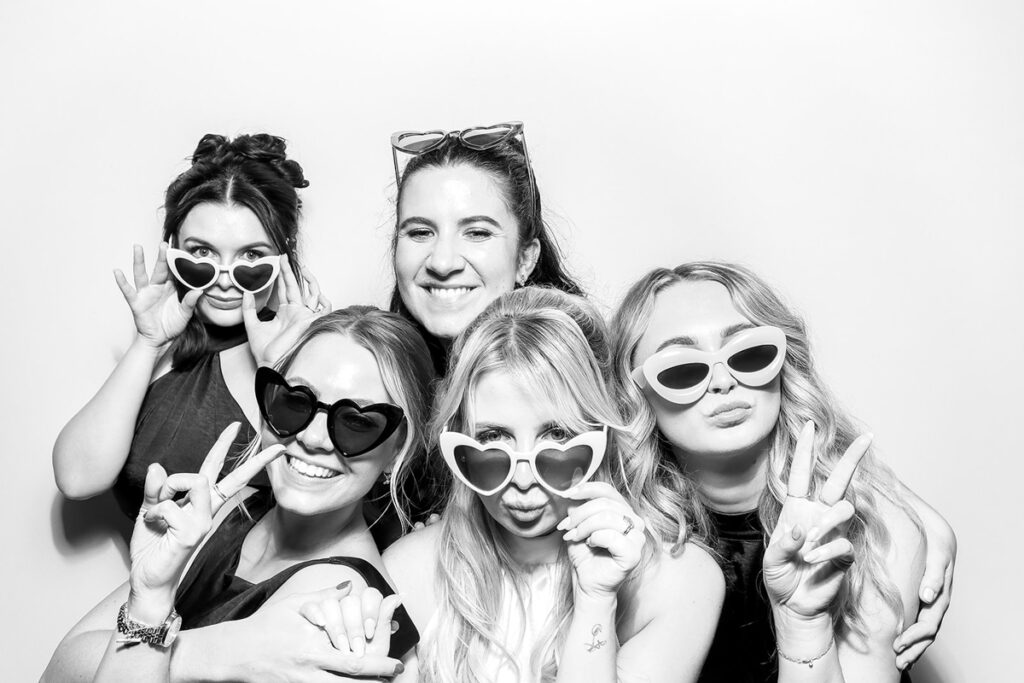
x: 136, y: 632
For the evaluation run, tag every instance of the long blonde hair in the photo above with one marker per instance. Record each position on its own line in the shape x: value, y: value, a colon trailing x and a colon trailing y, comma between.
x: 545, y: 339
x: 804, y: 397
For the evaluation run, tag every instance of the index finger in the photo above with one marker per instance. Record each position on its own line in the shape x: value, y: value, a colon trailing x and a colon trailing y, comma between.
x: 835, y: 486
x: 213, y: 463
x: 139, y: 266
x: 593, y: 489
x: 160, y: 269
x: 292, y: 289
x: 235, y: 480
x: 802, y: 465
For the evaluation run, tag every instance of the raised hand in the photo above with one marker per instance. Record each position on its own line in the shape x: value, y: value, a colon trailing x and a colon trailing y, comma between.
x: 270, y: 339
x: 167, y: 531
x: 357, y: 624
x: 606, y: 539
x: 808, y: 554
x: 159, y: 316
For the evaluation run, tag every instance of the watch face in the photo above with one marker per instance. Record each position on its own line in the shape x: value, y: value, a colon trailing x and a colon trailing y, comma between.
x: 173, y: 627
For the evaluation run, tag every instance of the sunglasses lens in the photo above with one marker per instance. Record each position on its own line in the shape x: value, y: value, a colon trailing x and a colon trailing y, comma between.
x: 286, y: 410
x: 685, y: 376
x: 753, y: 359
x: 561, y: 470
x: 253, y: 278
x: 420, y: 143
x: 196, y: 275
x: 355, y: 432
x: 484, y: 469
x: 485, y: 138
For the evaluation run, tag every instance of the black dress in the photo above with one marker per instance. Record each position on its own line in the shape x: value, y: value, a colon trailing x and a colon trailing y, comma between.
x: 211, y: 593
x: 743, y: 650
x: 182, y: 414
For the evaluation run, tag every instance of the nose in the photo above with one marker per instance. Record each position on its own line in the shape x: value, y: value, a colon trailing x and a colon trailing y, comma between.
x: 523, y: 478
x: 445, y: 257
x: 314, y: 437
x: 722, y: 381
x: 224, y: 280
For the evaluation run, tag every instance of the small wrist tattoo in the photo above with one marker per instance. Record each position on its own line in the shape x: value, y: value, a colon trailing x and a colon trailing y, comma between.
x: 596, y: 643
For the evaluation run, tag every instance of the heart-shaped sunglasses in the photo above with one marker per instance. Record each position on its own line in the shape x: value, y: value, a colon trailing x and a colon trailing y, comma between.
x: 352, y: 428
x: 201, y: 273
x: 488, y: 468
x: 682, y: 375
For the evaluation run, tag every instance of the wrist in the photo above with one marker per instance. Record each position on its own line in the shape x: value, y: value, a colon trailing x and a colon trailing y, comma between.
x: 150, y: 607
x: 191, y: 661
x: 597, y: 601
x: 145, y: 346
x: 801, y: 636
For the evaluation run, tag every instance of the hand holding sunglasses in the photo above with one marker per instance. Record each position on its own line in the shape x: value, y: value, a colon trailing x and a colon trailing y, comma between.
x: 159, y: 315
x: 353, y: 429
x: 606, y: 539
x: 488, y: 468
x: 297, y: 306
x: 754, y: 357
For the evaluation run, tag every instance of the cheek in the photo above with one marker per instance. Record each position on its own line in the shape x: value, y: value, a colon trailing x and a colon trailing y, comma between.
x: 495, y: 264
x: 407, y: 258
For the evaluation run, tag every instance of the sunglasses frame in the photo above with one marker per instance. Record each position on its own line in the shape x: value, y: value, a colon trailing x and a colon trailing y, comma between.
x: 393, y: 415
x: 646, y: 374
x: 597, y: 440
x: 174, y: 254
x: 514, y: 128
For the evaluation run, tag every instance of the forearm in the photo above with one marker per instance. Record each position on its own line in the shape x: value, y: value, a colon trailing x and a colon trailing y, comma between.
x: 807, y: 651
x: 591, y: 646
x: 93, y: 446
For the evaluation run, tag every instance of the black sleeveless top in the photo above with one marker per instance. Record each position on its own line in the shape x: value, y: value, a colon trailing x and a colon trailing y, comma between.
x: 182, y: 414
x: 743, y: 650
x: 211, y: 593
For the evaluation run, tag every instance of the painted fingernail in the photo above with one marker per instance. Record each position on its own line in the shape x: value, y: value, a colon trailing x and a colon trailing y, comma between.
x: 343, y: 585
x: 570, y: 535
x: 796, y: 532
x: 400, y: 668
x: 394, y: 627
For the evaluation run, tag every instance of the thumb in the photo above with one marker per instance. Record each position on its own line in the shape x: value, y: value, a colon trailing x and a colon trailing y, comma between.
x: 934, y: 577
x: 785, y: 548
x: 156, y: 475
x: 334, y: 593
x: 189, y: 301
x: 249, y: 311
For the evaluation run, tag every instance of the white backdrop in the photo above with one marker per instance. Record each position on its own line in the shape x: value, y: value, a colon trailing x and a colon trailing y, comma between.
x: 867, y: 157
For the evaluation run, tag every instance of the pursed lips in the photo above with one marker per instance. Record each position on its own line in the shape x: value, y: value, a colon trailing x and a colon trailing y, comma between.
x: 727, y: 407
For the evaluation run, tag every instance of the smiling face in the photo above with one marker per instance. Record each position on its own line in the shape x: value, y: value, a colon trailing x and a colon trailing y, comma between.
x: 730, y: 418
x: 457, y: 247
x: 311, y: 477
x: 506, y: 411
x: 225, y: 233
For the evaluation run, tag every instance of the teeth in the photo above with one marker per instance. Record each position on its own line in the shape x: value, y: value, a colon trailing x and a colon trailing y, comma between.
x: 448, y: 292
x: 311, y: 470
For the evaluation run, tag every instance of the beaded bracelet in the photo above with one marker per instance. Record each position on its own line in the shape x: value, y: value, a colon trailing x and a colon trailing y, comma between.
x: 810, y: 661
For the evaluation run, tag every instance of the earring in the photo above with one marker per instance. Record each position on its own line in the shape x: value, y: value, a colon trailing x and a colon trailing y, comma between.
x: 386, y: 478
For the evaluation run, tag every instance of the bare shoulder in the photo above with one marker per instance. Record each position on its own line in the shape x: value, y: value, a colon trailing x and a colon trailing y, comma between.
x: 690, y: 582
x: 411, y: 561
x: 319, y: 576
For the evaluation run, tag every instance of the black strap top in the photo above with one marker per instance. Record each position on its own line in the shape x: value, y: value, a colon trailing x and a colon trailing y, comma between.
x: 211, y: 593
x: 743, y: 650
x: 182, y: 414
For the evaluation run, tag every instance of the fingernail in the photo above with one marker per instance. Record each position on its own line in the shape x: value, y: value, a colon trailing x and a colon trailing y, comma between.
x: 394, y: 629
x: 369, y: 626
x: 813, y: 534
x: 811, y: 557
x: 564, y: 524
x: 796, y: 533
x: 570, y: 535
x: 400, y: 668
x: 343, y: 585
x: 929, y: 594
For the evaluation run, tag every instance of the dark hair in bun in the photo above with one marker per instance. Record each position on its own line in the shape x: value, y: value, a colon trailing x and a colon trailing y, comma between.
x: 251, y: 171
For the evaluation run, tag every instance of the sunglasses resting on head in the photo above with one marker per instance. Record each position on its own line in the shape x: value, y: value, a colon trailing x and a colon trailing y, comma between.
x: 353, y: 429
x: 203, y: 272
x: 754, y: 357
x: 488, y: 468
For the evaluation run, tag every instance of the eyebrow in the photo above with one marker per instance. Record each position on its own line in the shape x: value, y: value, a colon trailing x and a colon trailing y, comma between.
x: 244, y: 247
x: 480, y: 219
x: 690, y: 341
x: 297, y: 380
x: 417, y: 219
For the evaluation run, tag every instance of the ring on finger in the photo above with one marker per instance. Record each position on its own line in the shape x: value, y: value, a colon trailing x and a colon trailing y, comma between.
x: 220, y: 494
x: 629, y: 525
x: 143, y: 510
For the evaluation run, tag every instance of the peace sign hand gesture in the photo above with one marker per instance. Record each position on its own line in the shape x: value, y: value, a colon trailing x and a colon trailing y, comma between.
x: 159, y: 316
x: 167, y: 531
x: 808, y: 554
x: 270, y: 339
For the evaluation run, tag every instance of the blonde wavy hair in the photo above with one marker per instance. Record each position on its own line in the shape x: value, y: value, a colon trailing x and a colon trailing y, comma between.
x: 804, y: 397
x: 546, y: 339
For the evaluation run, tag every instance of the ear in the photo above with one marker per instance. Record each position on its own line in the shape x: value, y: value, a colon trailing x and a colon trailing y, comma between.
x: 528, y: 257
